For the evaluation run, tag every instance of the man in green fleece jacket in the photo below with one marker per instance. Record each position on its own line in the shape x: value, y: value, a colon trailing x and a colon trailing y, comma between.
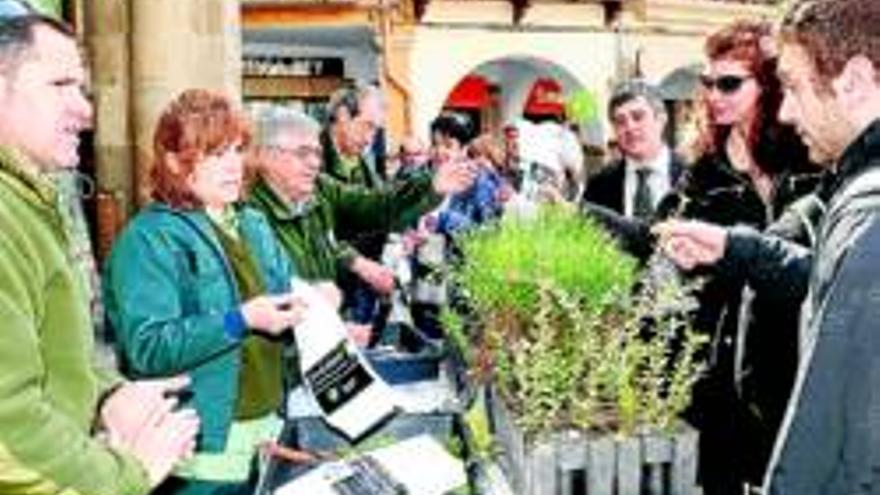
x: 354, y: 118
x: 315, y: 215
x: 65, y: 427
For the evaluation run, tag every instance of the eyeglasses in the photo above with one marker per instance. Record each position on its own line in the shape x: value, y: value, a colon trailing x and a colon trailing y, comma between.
x: 16, y: 9
x: 303, y: 152
x: 726, y: 85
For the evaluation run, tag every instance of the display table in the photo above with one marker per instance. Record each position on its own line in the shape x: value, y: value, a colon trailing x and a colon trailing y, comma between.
x: 431, y: 407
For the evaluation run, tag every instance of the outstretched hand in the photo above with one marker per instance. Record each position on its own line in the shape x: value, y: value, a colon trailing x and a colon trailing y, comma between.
x: 378, y: 276
x: 454, y: 177
x: 691, y: 243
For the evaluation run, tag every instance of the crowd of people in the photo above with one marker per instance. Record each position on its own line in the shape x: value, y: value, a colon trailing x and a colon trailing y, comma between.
x: 773, y: 204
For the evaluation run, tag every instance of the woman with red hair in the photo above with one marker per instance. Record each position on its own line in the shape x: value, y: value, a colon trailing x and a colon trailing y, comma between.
x: 198, y: 285
x: 747, y: 167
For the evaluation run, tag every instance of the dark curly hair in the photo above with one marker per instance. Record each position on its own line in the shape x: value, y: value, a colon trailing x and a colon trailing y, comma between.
x: 453, y: 125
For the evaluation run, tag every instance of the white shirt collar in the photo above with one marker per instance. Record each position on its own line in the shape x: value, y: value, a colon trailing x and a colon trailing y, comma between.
x: 660, y: 163
x: 659, y: 181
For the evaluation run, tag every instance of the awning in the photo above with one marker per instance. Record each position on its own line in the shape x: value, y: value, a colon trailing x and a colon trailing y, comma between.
x: 545, y: 98
x: 472, y: 92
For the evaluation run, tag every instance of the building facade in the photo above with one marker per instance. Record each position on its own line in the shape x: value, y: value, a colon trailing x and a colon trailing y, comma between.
x: 420, y: 50
x: 143, y: 52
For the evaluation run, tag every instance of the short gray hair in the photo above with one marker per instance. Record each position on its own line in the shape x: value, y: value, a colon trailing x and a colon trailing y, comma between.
x: 271, y: 120
x: 350, y: 99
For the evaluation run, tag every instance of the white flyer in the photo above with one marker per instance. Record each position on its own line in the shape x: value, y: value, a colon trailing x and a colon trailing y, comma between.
x: 398, y: 468
x: 347, y: 390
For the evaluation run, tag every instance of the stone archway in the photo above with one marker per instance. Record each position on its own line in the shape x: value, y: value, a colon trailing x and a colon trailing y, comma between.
x: 679, y: 88
x: 514, y: 77
x: 587, y: 58
x: 516, y: 74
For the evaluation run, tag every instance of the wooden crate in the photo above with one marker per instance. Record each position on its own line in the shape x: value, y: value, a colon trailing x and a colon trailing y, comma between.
x: 574, y: 463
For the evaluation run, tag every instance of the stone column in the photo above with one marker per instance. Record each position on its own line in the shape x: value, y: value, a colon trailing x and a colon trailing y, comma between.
x: 106, y: 28
x: 219, y: 30
x: 177, y: 45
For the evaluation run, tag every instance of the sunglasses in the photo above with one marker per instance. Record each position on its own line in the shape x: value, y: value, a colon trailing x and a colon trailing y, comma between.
x: 16, y: 9
x: 725, y: 84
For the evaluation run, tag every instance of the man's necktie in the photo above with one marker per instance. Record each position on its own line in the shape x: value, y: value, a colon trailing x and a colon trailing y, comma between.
x: 643, y: 200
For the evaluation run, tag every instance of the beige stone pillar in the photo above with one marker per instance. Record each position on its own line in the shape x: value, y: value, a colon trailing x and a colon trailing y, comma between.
x: 177, y: 45
x: 107, y: 45
x: 106, y: 40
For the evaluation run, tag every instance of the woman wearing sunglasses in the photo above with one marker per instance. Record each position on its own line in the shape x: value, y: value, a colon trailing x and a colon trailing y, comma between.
x: 747, y: 167
x: 198, y: 285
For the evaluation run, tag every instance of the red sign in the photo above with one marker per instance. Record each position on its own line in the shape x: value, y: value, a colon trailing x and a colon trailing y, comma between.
x: 545, y: 98
x: 472, y: 92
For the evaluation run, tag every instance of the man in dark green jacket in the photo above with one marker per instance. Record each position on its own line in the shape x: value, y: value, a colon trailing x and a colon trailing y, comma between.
x: 355, y: 116
x: 52, y: 396
x: 315, y: 215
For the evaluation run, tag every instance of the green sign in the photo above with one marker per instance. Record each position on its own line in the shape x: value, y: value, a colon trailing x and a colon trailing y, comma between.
x: 581, y: 106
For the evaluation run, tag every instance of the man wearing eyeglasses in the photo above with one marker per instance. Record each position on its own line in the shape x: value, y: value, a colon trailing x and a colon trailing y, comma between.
x: 315, y: 215
x: 51, y: 396
x: 829, y: 64
x: 354, y: 116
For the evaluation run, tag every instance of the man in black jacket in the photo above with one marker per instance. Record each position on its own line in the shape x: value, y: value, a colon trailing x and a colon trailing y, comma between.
x: 624, y: 196
x: 647, y: 171
x: 830, y: 67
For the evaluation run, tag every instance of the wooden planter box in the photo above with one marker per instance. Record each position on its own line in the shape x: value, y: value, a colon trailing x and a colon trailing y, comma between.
x: 574, y: 463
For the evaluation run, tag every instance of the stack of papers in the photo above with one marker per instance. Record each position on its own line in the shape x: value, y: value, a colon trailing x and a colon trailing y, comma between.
x: 350, y: 395
x: 394, y: 470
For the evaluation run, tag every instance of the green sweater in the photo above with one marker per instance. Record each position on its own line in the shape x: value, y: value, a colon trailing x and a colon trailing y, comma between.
x: 355, y: 171
x: 260, y: 388
x: 49, y: 389
x: 316, y: 237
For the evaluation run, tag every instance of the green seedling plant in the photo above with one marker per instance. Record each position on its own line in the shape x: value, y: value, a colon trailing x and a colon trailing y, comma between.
x: 569, y: 330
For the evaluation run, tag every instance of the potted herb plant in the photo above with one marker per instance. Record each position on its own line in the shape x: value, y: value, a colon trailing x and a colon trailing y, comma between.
x: 590, y: 358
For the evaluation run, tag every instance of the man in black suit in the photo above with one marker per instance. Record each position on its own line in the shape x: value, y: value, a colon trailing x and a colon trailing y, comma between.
x: 624, y: 195
x: 633, y: 185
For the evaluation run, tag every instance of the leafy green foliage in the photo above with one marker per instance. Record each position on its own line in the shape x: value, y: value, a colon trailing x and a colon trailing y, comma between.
x: 501, y: 265
x: 476, y: 417
x: 556, y: 325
